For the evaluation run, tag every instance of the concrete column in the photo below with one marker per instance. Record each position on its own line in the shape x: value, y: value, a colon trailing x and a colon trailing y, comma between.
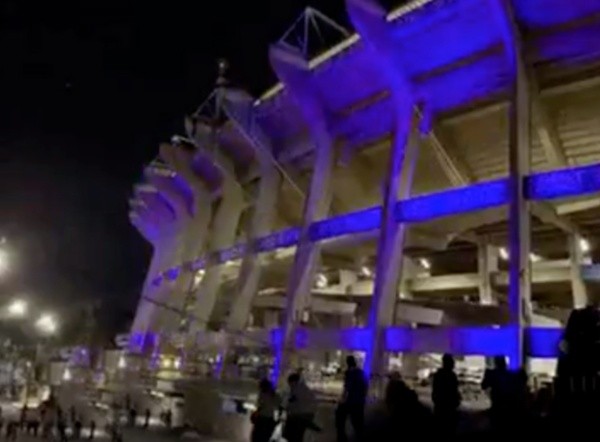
x: 195, y: 229
x: 487, y: 264
x: 222, y: 234
x: 410, y: 362
x: 578, y: 287
x: 370, y: 21
x: 519, y: 296
x: 157, y: 222
x: 519, y: 143
x: 294, y: 73
x: 390, y: 246
x: 262, y: 219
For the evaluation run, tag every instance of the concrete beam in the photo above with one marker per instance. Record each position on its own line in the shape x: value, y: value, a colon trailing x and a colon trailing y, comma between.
x: 205, y: 140
x: 548, y: 214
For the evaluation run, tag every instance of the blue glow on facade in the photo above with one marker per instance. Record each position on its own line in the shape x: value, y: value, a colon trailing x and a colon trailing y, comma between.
x: 357, y: 339
x: 561, y: 183
x: 564, y: 183
x: 172, y: 273
x: 231, y: 254
x: 453, y: 202
x: 543, y: 13
x: 278, y: 240
x: 419, y: 51
x: 543, y: 342
x: 199, y: 263
x: 356, y: 222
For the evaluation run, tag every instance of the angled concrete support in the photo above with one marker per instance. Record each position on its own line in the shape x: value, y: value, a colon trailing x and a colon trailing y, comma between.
x: 369, y: 19
x: 293, y: 71
x: 487, y: 265
x: 157, y: 221
x: 223, y: 234
x: 180, y: 160
x: 263, y: 213
x: 576, y: 259
x: 519, y: 296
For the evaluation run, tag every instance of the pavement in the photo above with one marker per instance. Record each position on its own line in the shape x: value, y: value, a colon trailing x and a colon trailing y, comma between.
x: 130, y: 435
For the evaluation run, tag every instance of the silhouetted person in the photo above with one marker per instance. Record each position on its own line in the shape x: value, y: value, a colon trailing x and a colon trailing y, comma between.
x: 77, y: 425
x: 499, y: 382
x: 300, y: 409
x: 92, y: 429
x: 263, y: 419
x: 577, y: 381
x: 61, y: 427
x: 169, y: 418
x: 132, y: 416
x: 35, y: 426
x: 352, y: 403
x: 147, y: 418
x: 399, y: 416
x: 23, y: 418
x: 11, y: 431
x: 72, y: 414
x: 446, y: 395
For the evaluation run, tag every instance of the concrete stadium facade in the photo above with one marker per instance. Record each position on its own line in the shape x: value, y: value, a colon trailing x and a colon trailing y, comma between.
x: 430, y: 183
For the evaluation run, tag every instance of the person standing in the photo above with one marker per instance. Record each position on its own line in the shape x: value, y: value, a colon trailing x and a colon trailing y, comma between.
x: 147, y: 418
x: 263, y: 419
x: 446, y: 395
x: 499, y: 383
x: 300, y: 409
x: 92, y: 429
x: 352, y: 403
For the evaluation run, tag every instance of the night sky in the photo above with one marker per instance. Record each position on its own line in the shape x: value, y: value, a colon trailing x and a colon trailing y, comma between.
x: 87, y: 91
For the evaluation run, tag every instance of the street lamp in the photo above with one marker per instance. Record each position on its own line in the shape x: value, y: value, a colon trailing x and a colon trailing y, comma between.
x: 18, y: 308
x: 46, y: 324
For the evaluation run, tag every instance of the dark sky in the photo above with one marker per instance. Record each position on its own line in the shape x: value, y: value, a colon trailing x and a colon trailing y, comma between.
x: 87, y: 91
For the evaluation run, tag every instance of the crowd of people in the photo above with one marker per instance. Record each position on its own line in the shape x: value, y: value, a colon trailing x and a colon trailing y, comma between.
x: 401, y: 412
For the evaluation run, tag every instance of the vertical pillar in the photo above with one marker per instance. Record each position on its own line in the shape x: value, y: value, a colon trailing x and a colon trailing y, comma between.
x: 390, y: 247
x: 172, y: 243
x: 222, y: 234
x: 410, y: 362
x: 195, y: 229
x: 249, y: 278
x: 370, y: 21
x: 578, y: 288
x: 519, y: 295
x: 487, y: 264
x: 294, y: 73
x: 519, y: 292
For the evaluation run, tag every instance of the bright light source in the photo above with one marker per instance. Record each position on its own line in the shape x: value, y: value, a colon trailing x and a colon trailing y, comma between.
x: 46, y: 324
x: 366, y: 272
x: 17, y: 308
x: 584, y: 245
x: 122, y: 362
x: 198, y: 278
x: 535, y: 258
x: 425, y: 263
x: 321, y: 281
x: 67, y: 376
x: 504, y: 253
x: 177, y: 363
